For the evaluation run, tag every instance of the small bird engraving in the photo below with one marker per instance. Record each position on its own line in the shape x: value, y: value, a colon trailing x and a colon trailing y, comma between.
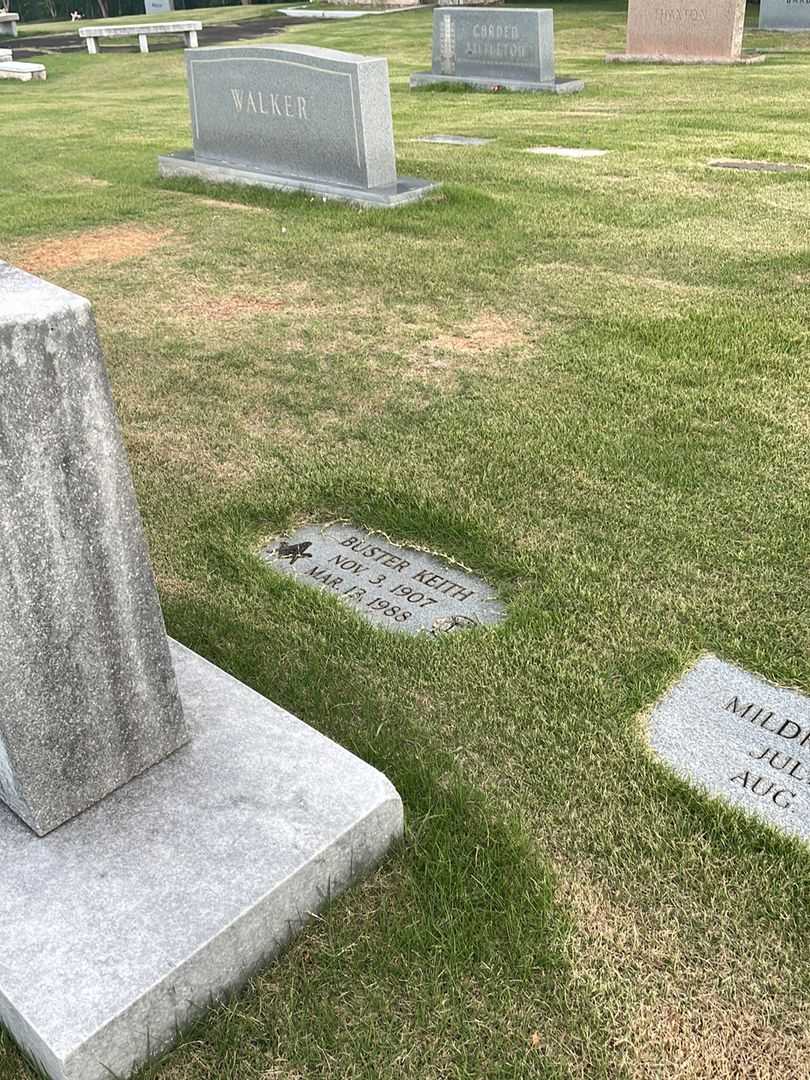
x: 294, y: 552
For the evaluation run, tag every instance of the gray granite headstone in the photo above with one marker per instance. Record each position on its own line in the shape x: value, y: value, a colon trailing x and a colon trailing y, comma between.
x: 784, y: 15
x: 293, y: 118
x: 503, y: 48
x: 740, y: 738
x: 395, y: 587
x: 135, y: 915
x: 89, y: 695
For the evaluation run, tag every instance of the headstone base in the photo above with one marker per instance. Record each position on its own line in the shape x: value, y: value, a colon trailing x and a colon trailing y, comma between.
x: 183, y: 163
x: 128, y: 921
x: 657, y: 58
x: 559, y: 86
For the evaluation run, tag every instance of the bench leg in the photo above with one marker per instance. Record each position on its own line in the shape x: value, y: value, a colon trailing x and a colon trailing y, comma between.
x: 191, y: 39
x: 143, y: 43
x: 92, y: 47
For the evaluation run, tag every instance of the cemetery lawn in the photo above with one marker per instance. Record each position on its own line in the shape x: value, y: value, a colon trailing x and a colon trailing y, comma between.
x: 586, y: 381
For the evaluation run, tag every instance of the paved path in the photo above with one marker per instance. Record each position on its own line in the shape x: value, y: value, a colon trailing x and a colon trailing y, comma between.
x: 213, y: 34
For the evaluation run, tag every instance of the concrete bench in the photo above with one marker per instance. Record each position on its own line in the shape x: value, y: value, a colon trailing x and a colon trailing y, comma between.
x: 16, y: 69
x: 142, y: 30
x: 8, y: 22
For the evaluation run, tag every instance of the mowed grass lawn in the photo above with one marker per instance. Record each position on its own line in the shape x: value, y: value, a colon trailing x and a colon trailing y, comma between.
x: 585, y: 380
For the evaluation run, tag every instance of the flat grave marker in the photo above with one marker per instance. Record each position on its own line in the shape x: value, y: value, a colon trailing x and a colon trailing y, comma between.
x: 566, y: 151
x: 398, y: 588
x: 739, y: 738
x: 293, y: 118
x: 495, y: 49
x: 757, y: 166
x: 685, y: 32
x: 784, y: 15
x: 454, y: 140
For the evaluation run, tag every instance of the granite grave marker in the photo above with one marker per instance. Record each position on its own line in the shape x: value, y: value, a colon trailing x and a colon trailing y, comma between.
x: 395, y: 587
x: 757, y: 166
x: 740, y: 738
x: 685, y: 31
x: 784, y: 15
x: 455, y: 140
x: 129, y: 919
x: 89, y: 695
x: 295, y: 118
x: 496, y: 49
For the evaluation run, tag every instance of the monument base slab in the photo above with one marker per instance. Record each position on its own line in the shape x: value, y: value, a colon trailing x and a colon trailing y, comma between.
x: 559, y: 86
x: 657, y: 58
x: 125, y: 923
x: 183, y: 163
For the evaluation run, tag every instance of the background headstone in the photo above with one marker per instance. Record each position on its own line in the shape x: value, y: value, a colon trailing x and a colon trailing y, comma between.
x: 294, y: 118
x: 740, y: 738
x: 508, y: 48
x: 784, y: 15
x: 89, y: 695
x: 158, y: 7
x: 707, y: 31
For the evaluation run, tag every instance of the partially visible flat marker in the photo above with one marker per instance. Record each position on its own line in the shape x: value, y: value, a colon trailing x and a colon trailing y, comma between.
x: 565, y: 151
x: 757, y: 166
x: 737, y: 737
x: 454, y: 140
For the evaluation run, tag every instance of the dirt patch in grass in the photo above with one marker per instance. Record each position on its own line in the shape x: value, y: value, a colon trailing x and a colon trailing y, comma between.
x: 487, y: 333
x: 99, y: 245
x: 200, y: 307
x: 226, y: 308
x: 222, y: 204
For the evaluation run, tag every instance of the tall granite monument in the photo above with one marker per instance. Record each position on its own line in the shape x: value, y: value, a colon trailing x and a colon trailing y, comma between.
x: 89, y: 693
x: 784, y: 15
x: 190, y: 823
x: 294, y: 118
x: 500, y: 49
x: 685, y: 32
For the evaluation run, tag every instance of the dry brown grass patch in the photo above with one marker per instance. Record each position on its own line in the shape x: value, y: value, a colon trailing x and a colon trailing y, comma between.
x: 96, y: 246
x: 225, y: 308
x: 670, y: 1015
x: 485, y: 334
x: 223, y: 204
x: 90, y: 181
